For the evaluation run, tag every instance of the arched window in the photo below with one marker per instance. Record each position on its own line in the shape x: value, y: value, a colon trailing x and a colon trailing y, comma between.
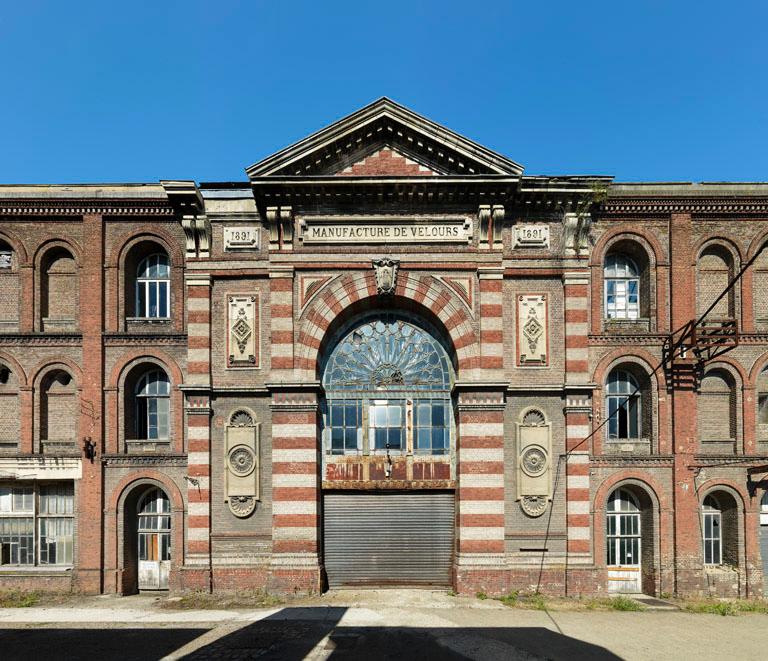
x: 717, y: 407
x: 712, y: 529
x: 10, y: 412
x: 59, y: 291
x: 153, y: 287
x: 387, y: 384
x: 762, y: 404
x: 152, y: 399
x: 623, y: 529
x: 154, y: 528
x: 622, y: 405
x: 622, y: 287
x: 714, y: 271
x: 58, y: 408
x: 9, y: 289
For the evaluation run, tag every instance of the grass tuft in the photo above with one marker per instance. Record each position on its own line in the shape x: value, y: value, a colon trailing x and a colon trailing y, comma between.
x: 481, y: 595
x: 726, y: 607
x: 18, y: 599
x: 199, y: 600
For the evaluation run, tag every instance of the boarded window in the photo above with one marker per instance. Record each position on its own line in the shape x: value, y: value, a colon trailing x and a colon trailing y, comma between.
x: 59, y: 295
x: 717, y: 407
x: 714, y: 272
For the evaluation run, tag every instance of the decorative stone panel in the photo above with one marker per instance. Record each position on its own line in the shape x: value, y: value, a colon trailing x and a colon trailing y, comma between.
x: 243, y: 463
x: 242, y: 331
x: 532, y: 330
x: 534, y: 462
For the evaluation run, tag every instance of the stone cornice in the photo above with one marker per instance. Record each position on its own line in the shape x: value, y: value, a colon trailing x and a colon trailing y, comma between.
x: 144, y: 460
x: 631, y: 460
x: 680, y: 204
x: 81, y: 207
x: 40, y: 339
x: 145, y: 339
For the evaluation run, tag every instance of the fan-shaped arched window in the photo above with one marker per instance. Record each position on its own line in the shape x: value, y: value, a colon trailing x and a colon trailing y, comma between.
x: 387, y: 383
x: 622, y: 287
x: 153, y: 287
x: 152, y: 398
x: 622, y: 405
x: 712, y: 529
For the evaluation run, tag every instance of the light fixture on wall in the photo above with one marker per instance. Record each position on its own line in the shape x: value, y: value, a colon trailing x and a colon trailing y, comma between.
x: 89, y: 448
x: 192, y: 480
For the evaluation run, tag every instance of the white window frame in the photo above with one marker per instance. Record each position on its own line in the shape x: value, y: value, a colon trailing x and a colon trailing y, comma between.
x: 148, y: 283
x: 621, y: 275
x: 618, y: 399
x: 144, y: 401
x: 37, y: 517
x: 625, y: 518
x: 713, y: 542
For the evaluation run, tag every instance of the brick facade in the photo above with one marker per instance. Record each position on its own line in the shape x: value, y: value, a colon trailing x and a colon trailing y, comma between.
x: 84, y: 336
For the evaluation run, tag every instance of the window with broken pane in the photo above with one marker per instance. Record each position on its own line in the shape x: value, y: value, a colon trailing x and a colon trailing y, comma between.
x: 387, y: 383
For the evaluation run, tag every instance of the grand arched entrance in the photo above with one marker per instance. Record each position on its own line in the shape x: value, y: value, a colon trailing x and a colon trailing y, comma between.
x: 388, y: 432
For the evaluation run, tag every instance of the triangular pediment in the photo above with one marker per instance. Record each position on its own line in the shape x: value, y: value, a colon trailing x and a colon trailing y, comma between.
x: 384, y: 139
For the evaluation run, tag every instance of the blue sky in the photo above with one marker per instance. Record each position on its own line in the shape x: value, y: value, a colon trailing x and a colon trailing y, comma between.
x: 141, y: 91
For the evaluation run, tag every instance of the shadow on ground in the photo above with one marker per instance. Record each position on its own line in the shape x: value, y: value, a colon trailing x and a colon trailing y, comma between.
x: 293, y: 633
x: 51, y: 644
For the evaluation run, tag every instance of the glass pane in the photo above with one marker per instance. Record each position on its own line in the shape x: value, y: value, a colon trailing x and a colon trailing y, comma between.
x: 141, y: 299
x: 438, y: 415
x: 395, y: 436
x: 351, y: 415
x: 163, y: 299
x: 380, y: 416
x: 423, y: 416
x: 380, y: 439
x: 337, y: 438
x: 438, y: 439
x: 423, y: 439
x: 152, y: 287
x: 395, y: 415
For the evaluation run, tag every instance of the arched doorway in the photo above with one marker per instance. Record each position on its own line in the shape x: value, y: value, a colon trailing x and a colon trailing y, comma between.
x: 623, y: 542
x: 153, y: 525
x: 387, y: 382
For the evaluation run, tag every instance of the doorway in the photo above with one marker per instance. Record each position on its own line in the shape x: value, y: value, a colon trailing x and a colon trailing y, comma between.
x: 154, y: 540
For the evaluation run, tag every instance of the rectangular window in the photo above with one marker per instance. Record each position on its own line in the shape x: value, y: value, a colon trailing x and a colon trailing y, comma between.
x: 41, y: 535
x: 712, y: 539
x: 624, y: 417
x: 344, y: 420
x: 387, y: 428
x: 432, y: 431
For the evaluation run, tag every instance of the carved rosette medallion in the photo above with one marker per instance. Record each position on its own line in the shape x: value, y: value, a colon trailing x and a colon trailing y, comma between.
x: 241, y: 460
x: 242, y: 506
x: 534, y: 461
x: 533, y: 505
x: 386, y: 275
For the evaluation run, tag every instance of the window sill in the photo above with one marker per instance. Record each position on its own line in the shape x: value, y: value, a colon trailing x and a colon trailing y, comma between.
x: 59, y: 447
x: 148, y: 320
x: 59, y: 325
x: 625, y: 326
x: 53, y: 570
x: 146, y: 446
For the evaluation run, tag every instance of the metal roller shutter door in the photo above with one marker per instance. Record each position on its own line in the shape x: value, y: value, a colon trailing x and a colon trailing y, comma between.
x: 388, y: 538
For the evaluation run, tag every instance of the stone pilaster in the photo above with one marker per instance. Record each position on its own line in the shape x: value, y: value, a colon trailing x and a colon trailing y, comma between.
x: 480, y: 557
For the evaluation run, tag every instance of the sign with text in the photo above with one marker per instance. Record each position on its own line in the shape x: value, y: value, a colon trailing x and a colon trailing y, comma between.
x: 454, y: 230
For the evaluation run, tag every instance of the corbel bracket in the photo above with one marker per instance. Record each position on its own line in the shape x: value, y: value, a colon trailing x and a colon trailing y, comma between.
x: 187, y: 202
